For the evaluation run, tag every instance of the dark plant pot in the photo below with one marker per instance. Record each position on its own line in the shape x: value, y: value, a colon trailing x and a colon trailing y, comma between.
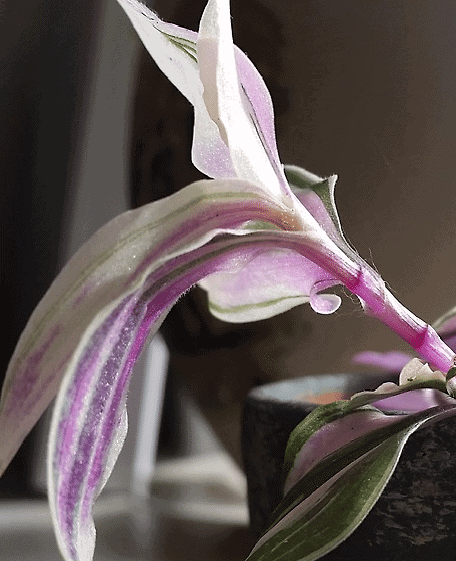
x: 414, y: 519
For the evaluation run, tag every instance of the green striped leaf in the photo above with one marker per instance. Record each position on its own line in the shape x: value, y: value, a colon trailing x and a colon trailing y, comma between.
x: 336, y: 492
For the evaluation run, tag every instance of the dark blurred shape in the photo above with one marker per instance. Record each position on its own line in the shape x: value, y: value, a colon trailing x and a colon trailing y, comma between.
x: 45, y: 48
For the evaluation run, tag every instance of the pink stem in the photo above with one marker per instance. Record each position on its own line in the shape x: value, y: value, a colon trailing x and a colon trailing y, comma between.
x: 384, y: 306
x: 366, y: 283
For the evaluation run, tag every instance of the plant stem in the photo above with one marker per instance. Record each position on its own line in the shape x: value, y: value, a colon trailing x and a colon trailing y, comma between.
x: 381, y: 304
x: 366, y: 283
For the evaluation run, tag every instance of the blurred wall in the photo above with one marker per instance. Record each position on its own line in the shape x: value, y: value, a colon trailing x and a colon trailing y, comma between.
x: 45, y: 46
x: 44, y: 50
x: 65, y: 78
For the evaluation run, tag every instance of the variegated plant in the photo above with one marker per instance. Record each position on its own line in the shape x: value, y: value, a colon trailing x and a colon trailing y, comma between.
x: 260, y: 238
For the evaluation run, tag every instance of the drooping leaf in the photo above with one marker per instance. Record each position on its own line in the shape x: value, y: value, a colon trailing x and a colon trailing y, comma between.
x: 89, y: 420
x: 110, y: 268
x: 93, y: 322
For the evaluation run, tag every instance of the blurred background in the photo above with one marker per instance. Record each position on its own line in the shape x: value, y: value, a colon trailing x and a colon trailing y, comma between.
x: 89, y: 127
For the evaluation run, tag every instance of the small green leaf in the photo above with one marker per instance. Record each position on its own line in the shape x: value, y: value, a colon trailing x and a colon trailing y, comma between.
x: 335, y: 495
x: 301, y: 179
x: 451, y: 373
x: 311, y: 533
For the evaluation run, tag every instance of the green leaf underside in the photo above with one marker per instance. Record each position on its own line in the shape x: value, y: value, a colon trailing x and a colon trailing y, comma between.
x: 340, y: 510
x: 451, y: 373
x: 319, y: 417
x: 334, y: 463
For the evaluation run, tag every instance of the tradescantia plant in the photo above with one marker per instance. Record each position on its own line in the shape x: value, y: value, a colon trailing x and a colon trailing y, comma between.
x: 260, y: 238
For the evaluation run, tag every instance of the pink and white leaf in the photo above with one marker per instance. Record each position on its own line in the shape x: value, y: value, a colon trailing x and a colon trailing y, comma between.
x: 244, y: 293
x: 226, y: 104
x: 174, y: 50
x: 189, y: 64
x: 91, y: 325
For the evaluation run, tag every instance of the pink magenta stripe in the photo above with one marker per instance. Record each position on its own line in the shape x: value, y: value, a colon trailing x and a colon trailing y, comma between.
x: 19, y: 403
x: 77, y: 481
x: 70, y: 465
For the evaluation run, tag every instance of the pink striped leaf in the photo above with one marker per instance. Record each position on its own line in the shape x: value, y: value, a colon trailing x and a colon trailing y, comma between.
x: 88, y: 330
x: 86, y: 333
